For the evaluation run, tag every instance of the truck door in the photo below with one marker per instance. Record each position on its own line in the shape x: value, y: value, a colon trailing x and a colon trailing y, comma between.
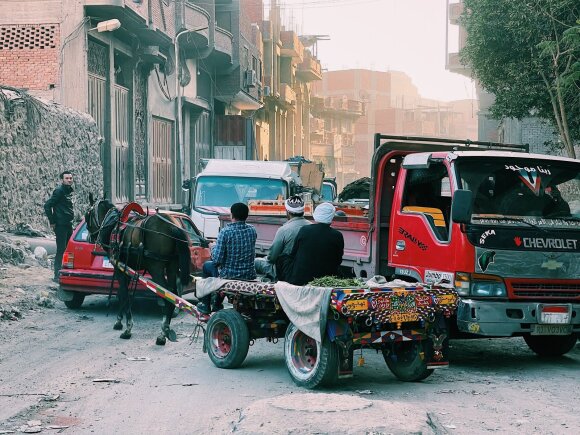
x: 420, y: 246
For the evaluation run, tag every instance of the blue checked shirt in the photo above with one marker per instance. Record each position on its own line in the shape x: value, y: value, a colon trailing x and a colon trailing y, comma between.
x: 235, y: 250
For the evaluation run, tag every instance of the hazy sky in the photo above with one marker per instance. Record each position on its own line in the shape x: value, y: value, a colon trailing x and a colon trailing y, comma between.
x: 403, y: 35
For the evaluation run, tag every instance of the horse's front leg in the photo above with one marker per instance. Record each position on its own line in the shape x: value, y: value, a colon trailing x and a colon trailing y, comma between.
x: 170, y: 283
x: 125, y: 302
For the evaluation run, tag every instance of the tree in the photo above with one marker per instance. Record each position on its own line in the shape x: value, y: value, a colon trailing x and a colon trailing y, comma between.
x: 527, y: 53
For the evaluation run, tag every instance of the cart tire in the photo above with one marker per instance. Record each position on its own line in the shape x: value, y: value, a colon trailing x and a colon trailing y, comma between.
x: 309, y: 362
x: 407, y: 361
x: 76, y: 302
x: 551, y: 345
x: 227, y: 339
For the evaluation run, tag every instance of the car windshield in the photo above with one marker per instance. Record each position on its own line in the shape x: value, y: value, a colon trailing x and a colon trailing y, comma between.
x: 532, y: 189
x: 222, y: 191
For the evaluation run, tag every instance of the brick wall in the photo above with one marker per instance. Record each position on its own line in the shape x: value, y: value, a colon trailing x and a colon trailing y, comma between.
x: 163, y: 16
x: 29, y: 55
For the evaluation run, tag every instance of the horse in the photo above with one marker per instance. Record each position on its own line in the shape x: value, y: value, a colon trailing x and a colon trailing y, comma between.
x: 153, y: 243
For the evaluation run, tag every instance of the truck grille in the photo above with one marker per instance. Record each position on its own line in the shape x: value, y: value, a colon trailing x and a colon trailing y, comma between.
x: 545, y: 291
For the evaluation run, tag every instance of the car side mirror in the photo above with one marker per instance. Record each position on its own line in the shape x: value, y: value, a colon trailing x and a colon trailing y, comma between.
x: 461, y: 206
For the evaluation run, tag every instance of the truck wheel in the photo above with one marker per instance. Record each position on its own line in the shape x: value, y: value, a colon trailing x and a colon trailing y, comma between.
x: 227, y: 339
x: 76, y: 301
x: 407, y: 360
x: 551, y: 345
x: 310, y: 362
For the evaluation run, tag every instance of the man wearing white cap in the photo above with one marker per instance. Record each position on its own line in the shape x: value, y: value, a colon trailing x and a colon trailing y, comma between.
x: 277, y: 264
x: 318, y: 248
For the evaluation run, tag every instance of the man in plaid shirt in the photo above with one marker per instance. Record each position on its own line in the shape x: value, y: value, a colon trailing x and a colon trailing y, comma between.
x: 232, y: 256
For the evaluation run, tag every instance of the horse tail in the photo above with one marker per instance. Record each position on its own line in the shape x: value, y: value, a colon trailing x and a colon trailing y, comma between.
x: 182, y: 245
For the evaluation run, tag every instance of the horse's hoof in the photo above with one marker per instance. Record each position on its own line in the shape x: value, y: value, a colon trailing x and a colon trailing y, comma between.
x: 118, y: 326
x: 160, y: 341
x: 171, y: 335
x: 125, y: 335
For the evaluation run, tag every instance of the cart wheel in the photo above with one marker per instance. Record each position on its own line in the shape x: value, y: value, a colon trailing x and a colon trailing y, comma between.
x: 310, y: 362
x: 407, y: 360
x: 227, y: 339
x: 76, y: 301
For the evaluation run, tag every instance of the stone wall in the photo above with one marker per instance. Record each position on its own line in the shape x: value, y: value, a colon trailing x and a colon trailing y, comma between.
x: 38, y: 141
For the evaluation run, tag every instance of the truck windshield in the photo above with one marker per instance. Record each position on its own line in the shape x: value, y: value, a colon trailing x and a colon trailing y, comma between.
x: 522, y: 187
x: 223, y: 191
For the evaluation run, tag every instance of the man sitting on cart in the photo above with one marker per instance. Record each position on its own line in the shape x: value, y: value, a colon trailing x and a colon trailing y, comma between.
x: 232, y: 256
x: 278, y: 264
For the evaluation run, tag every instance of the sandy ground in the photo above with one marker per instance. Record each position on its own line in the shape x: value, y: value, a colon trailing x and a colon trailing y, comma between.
x: 51, y: 359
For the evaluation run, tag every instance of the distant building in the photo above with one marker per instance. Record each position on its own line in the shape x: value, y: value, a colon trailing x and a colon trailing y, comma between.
x: 394, y: 106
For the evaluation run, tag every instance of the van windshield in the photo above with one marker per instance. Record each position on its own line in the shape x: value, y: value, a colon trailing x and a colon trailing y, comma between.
x: 223, y: 191
x: 328, y: 192
x: 522, y: 187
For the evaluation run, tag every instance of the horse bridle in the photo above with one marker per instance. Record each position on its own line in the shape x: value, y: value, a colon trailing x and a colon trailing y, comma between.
x: 92, y: 214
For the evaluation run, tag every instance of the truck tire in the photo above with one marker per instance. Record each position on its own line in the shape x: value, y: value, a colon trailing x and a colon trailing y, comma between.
x: 227, y: 339
x: 551, y: 345
x: 76, y: 302
x: 309, y: 362
x: 407, y: 360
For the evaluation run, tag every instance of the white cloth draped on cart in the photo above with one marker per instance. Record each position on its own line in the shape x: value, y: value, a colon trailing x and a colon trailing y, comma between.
x: 307, y: 307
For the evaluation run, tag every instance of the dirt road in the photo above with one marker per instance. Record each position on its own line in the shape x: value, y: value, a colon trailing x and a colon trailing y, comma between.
x: 52, y: 358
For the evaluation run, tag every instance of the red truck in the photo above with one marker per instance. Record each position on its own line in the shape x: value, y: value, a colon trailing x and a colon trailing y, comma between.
x: 500, y: 223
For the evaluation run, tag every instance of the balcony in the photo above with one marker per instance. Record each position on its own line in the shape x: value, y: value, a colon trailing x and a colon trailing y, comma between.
x: 291, y: 45
x: 287, y: 94
x: 355, y: 106
x: 316, y: 125
x: 194, y: 42
x: 224, y: 45
x: 454, y: 65
x: 134, y: 18
x: 310, y: 69
x: 455, y: 11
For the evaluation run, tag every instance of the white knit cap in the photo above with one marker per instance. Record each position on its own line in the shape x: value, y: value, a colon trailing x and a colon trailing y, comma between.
x: 294, y: 204
x: 324, y: 213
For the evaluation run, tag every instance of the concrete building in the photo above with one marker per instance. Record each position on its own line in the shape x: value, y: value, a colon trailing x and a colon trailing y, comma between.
x: 158, y: 85
x: 332, y: 137
x: 394, y: 106
x: 289, y: 69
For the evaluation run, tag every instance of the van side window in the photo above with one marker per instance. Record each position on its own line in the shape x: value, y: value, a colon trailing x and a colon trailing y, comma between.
x: 428, y: 191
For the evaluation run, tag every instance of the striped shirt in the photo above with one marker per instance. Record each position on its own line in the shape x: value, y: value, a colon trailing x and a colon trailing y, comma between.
x: 235, y: 250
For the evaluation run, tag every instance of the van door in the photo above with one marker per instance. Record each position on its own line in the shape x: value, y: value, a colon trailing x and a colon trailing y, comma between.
x: 420, y: 238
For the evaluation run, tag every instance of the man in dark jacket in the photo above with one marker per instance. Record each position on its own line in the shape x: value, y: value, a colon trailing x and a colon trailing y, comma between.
x: 318, y: 248
x: 59, y: 210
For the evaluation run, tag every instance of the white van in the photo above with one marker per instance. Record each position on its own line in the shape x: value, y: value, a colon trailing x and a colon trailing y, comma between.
x: 225, y: 182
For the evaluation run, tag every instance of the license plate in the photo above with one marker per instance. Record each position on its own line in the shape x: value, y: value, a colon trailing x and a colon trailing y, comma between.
x: 106, y: 263
x: 357, y: 305
x: 404, y: 317
x: 555, y: 314
x: 551, y: 329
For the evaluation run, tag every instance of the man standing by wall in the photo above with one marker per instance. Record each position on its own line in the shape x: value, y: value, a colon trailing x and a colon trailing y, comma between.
x: 278, y: 264
x: 59, y: 210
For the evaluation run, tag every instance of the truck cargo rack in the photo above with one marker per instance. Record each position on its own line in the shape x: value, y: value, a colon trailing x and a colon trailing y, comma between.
x: 415, y: 143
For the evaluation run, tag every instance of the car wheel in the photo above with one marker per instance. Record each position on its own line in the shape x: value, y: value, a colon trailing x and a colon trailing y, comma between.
x: 76, y: 301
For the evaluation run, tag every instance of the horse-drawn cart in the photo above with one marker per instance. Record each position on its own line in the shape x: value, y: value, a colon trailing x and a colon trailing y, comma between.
x: 324, y: 327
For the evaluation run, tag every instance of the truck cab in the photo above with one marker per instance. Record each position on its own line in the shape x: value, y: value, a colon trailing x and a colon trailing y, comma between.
x: 225, y: 182
x: 500, y: 224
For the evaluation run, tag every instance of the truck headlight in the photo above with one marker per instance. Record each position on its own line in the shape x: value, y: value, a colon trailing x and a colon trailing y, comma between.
x: 488, y: 286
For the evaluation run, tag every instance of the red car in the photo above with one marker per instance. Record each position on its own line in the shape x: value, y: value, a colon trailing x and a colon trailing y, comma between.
x: 86, y: 268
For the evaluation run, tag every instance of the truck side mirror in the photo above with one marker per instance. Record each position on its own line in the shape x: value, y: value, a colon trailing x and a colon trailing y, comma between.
x: 186, y: 184
x: 461, y: 206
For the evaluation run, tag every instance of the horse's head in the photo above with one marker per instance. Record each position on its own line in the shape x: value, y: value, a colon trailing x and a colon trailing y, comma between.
x: 95, y: 216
